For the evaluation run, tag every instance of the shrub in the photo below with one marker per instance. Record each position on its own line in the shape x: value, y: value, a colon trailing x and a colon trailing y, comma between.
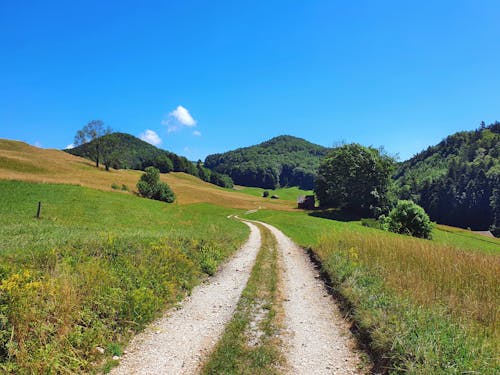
x: 265, y: 194
x: 114, y: 186
x: 124, y: 187
x: 409, y: 218
x: 164, y: 193
x: 149, y: 186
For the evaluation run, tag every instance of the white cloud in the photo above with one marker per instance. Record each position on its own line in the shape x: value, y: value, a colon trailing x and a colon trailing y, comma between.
x: 151, y: 137
x: 70, y: 146
x: 183, y: 116
x: 37, y: 144
x: 197, y: 133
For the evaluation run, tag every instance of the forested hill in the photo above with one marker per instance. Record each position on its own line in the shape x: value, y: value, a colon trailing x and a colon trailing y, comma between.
x: 281, y: 161
x: 457, y: 181
x: 123, y: 150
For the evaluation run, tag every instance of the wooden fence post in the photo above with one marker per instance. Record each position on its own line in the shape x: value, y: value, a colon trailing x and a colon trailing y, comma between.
x: 39, y: 209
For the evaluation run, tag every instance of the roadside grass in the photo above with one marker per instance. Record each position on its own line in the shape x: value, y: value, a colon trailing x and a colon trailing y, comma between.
x: 288, y: 194
x: 250, y: 343
x: 422, y: 306
x: 94, y: 269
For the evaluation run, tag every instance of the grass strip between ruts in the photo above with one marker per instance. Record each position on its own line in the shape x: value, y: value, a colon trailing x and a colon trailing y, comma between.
x: 250, y: 343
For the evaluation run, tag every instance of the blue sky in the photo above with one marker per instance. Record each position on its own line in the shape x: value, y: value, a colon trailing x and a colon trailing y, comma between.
x: 210, y: 76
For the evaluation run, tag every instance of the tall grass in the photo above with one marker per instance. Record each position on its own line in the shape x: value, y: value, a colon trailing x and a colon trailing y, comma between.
x: 465, y: 282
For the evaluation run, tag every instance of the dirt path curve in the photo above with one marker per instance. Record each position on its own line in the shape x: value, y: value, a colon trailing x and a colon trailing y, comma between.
x: 319, y: 340
x: 177, y: 343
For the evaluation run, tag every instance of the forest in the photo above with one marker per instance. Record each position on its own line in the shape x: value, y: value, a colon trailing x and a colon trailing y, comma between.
x: 280, y: 162
x: 457, y: 181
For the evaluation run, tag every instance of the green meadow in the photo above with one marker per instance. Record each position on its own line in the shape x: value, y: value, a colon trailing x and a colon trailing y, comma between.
x: 420, y: 306
x: 288, y: 194
x: 95, y: 268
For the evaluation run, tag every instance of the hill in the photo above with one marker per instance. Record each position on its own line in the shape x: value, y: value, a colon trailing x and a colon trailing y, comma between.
x: 20, y: 161
x: 129, y: 152
x: 458, y: 180
x: 281, y: 161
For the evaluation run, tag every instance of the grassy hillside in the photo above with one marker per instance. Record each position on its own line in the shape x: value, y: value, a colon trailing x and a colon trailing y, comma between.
x: 423, y: 306
x: 457, y: 181
x: 20, y: 161
x: 95, y: 269
x: 281, y: 161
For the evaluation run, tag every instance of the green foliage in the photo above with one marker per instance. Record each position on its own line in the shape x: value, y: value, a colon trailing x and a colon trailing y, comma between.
x: 149, y: 186
x: 115, y: 186
x: 281, y: 161
x: 356, y: 178
x: 409, y: 218
x: 163, y: 163
x: 92, y: 271
x: 455, y: 180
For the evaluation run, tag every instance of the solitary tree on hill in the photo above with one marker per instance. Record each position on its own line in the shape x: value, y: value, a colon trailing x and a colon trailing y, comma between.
x: 92, y: 132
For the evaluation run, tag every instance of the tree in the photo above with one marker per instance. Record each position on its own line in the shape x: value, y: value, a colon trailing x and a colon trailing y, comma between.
x: 92, y: 132
x: 410, y: 219
x: 109, y: 154
x: 355, y: 177
x: 163, y: 163
x: 149, y: 186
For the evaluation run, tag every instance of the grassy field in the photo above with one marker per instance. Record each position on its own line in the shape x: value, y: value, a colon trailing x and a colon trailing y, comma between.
x: 94, y: 269
x: 287, y: 194
x: 20, y: 161
x: 423, y: 306
x: 250, y: 343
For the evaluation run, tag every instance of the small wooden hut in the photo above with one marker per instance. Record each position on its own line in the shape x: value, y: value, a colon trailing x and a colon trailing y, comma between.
x: 306, y: 202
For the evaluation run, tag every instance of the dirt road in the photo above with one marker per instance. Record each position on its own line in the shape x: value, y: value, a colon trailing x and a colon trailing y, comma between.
x: 178, y: 342
x: 317, y: 339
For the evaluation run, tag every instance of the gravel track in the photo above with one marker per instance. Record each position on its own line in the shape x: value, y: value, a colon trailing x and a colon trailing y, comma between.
x: 178, y: 342
x: 319, y: 341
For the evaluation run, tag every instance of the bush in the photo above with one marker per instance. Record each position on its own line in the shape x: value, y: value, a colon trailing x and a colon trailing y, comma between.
x: 149, y: 186
x: 409, y: 218
x: 265, y: 194
x: 114, y: 186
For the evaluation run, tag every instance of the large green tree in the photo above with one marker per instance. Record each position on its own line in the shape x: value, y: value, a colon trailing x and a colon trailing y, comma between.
x: 355, y: 177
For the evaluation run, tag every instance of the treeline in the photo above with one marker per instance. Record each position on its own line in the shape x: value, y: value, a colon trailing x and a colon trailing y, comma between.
x: 124, y: 151
x: 280, y: 162
x: 457, y: 181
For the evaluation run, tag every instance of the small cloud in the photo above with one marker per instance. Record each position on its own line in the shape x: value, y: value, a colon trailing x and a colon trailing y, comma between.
x: 151, y: 137
x: 37, y: 144
x: 187, y: 149
x: 183, y: 116
x: 69, y: 147
x: 197, y: 133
